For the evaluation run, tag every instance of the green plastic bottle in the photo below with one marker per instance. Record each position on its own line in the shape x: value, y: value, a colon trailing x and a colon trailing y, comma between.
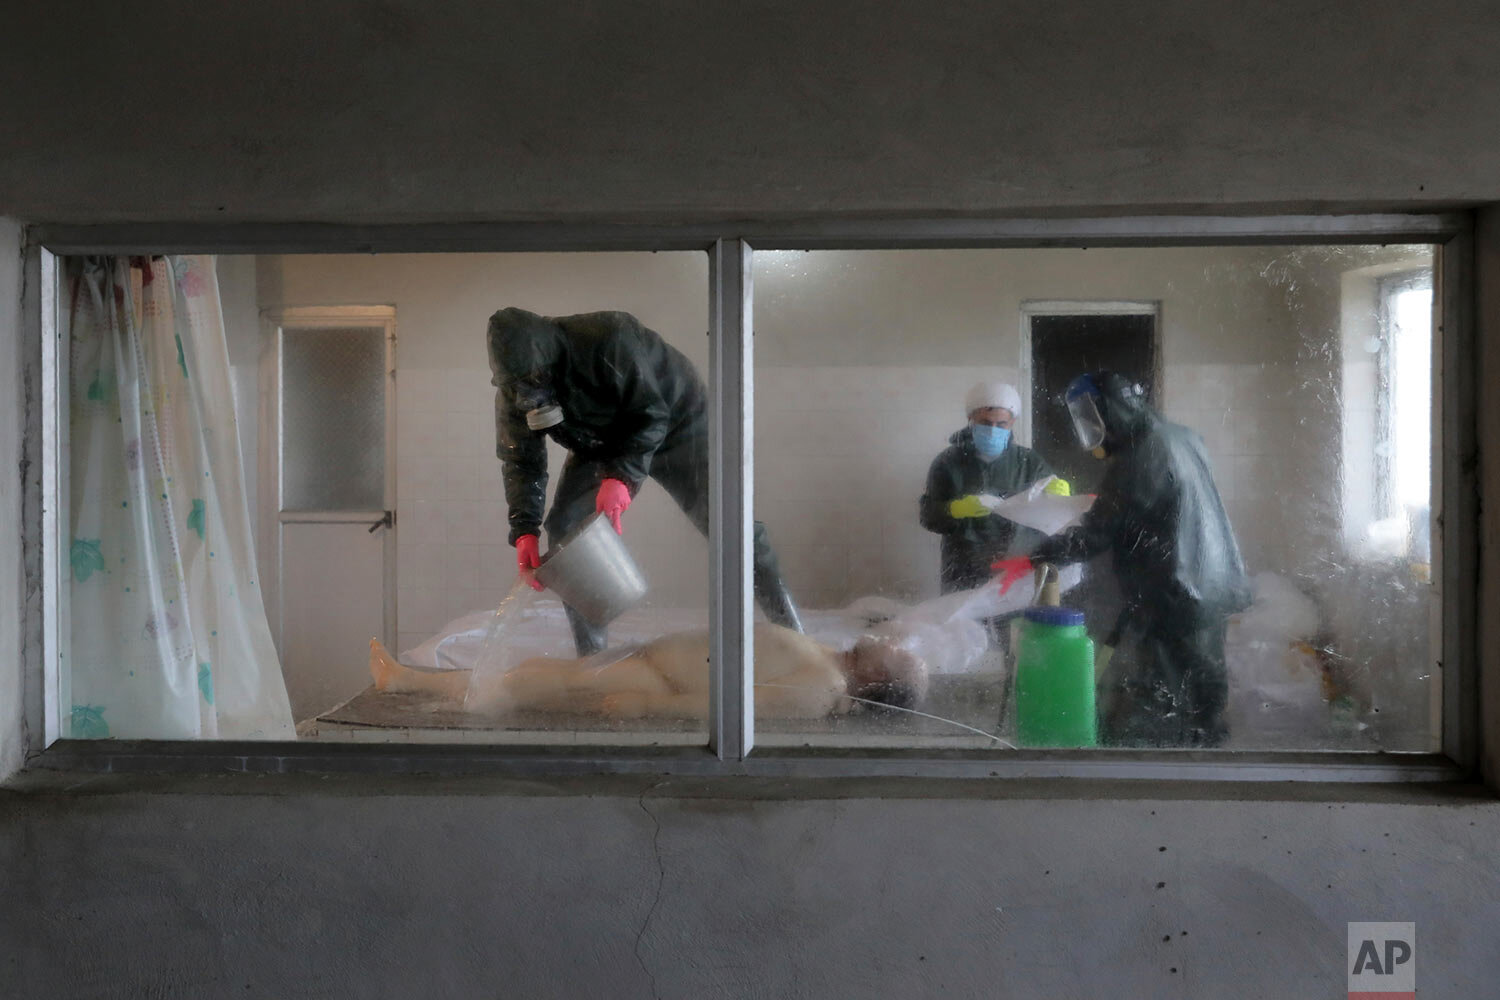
x: 1055, y: 680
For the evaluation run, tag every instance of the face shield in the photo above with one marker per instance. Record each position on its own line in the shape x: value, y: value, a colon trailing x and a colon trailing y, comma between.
x: 1083, y: 406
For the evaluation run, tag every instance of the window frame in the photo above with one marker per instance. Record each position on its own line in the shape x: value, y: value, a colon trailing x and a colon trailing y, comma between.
x: 731, y: 749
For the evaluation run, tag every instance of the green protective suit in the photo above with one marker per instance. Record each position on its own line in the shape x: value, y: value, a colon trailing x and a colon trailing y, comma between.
x: 1173, y: 551
x: 970, y: 544
x: 633, y: 406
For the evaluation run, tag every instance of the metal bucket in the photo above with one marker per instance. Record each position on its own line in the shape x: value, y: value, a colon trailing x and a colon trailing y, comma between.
x: 593, y: 573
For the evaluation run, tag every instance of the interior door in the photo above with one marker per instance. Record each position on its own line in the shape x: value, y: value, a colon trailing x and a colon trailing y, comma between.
x: 1064, y: 346
x: 335, y: 523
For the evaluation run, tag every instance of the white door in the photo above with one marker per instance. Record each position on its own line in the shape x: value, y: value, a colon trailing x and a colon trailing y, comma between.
x: 335, y: 523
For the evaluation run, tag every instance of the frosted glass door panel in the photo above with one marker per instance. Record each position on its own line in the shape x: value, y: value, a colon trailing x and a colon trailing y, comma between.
x: 333, y: 419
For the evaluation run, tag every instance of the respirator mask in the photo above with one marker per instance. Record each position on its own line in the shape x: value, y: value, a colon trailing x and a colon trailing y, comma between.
x: 534, y: 397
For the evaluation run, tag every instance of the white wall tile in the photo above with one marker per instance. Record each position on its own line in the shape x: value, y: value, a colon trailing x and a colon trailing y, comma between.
x: 462, y: 521
x: 419, y: 477
x: 460, y: 567
x: 419, y: 609
x: 419, y: 565
x: 420, y: 521
x: 420, y: 389
x: 495, y: 568
x: 461, y: 601
x: 468, y: 438
x: 469, y: 391
x: 421, y: 432
x: 460, y: 478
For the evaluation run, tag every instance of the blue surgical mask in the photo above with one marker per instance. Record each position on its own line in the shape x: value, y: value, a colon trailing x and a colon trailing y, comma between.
x: 990, y: 441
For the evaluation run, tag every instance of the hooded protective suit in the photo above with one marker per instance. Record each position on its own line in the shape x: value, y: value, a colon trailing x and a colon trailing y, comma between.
x: 1179, y: 569
x: 632, y: 406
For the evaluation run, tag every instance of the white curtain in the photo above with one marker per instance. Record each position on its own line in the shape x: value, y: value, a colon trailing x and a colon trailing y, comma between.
x: 169, y: 632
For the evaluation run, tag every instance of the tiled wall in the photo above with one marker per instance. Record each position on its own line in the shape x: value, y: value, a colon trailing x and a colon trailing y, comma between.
x: 451, y: 551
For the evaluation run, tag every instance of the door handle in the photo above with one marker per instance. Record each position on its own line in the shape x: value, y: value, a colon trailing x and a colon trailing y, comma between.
x: 389, y: 521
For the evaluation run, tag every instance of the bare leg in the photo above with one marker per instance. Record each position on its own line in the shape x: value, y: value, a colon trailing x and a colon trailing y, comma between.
x: 567, y: 686
x: 392, y: 676
x: 629, y: 687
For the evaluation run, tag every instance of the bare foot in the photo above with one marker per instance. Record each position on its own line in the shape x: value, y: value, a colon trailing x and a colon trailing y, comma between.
x: 383, y: 666
x: 390, y: 676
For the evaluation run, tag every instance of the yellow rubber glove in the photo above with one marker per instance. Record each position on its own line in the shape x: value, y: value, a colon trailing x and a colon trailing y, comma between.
x: 1058, y: 487
x: 968, y: 506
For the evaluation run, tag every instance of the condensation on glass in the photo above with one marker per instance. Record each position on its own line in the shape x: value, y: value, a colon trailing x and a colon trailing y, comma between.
x: 1299, y: 379
x: 1274, y: 402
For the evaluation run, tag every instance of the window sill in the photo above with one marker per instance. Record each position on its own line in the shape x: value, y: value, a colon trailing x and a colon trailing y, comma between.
x: 147, y: 757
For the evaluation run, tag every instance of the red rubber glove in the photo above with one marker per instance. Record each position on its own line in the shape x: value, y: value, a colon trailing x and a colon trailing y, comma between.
x: 1011, y: 570
x: 528, y: 559
x: 613, y: 499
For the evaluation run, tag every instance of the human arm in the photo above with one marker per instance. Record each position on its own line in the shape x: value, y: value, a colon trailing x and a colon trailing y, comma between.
x: 523, y: 466
x: 933, y: 510
x: 1094, y: 534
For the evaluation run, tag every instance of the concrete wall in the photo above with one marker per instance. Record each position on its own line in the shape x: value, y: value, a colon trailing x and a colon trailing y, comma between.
x: 12, y: 582
x: 390, y: 109
x: 257, y: 887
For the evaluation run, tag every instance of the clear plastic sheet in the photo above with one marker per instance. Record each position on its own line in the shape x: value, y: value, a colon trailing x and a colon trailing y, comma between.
x: 946, y: 632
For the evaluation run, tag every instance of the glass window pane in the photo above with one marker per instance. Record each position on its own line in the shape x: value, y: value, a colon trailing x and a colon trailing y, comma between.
x: 177, y: 636
x: 1254, y: 568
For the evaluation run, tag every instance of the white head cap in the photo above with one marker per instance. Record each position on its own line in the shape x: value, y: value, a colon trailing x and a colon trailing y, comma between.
x: 985, y: 394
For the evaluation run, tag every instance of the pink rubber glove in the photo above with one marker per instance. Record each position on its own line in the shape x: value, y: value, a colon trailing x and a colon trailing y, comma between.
x: 528, y: 559
x: 1011, y: 570
x: 613, y: 499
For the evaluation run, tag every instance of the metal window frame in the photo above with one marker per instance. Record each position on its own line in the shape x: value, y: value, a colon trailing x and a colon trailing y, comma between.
x: 730, y: 246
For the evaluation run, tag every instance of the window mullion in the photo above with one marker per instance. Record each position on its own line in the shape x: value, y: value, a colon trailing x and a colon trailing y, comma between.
x: 731, y: 638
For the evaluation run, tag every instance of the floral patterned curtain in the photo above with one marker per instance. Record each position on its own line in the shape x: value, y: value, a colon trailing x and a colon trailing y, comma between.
x: 169, y: 632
